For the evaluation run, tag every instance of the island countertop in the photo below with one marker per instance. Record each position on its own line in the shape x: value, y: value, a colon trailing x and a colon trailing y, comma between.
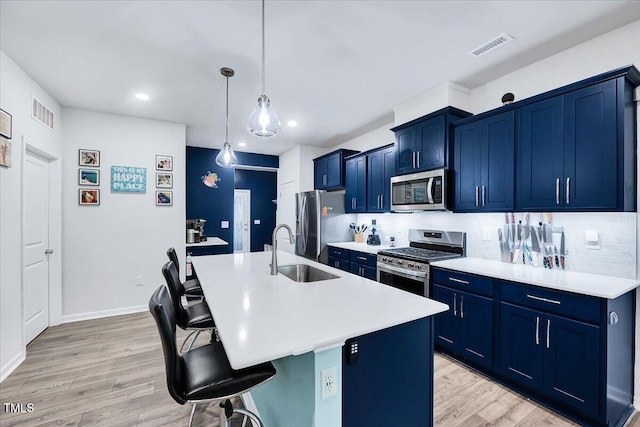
x: 262, y: 317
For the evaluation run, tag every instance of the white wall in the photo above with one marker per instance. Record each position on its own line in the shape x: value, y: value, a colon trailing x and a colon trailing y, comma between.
x: 16, y: 90
x: 105, y: 247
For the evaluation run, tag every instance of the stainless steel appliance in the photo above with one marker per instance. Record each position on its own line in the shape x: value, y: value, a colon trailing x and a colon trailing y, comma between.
x: 408, y: 268
x: 320, y: 219
x: 195, y: 230
x: 419, y: 191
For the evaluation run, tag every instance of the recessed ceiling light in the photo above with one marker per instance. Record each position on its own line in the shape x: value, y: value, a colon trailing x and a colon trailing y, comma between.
x: 142, y: 96
x: 242, y: 144
x: 292, y: 123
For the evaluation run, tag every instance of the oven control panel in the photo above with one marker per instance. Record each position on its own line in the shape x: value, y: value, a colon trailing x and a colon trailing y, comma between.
x: 410, y: 265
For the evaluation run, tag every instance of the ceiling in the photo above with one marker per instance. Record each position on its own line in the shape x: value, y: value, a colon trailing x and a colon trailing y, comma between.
x: 337, y: 67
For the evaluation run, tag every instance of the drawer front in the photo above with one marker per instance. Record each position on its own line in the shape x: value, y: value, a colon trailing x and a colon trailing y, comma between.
x: 364, y: 258
x: 581, y: 307
x: 339, y: 253
x: 465, y: 282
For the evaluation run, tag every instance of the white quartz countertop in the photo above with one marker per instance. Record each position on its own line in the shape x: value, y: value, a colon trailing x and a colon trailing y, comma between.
x: 361, y: 247
x: 562, y: 280
x: 262, y: 317
x: 211, y: 241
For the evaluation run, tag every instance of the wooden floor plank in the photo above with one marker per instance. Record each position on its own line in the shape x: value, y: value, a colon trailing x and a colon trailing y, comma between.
x: 110, y: 372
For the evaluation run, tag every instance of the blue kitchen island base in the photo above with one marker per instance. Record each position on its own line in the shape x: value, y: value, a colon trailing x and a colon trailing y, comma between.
x: 390, y: 383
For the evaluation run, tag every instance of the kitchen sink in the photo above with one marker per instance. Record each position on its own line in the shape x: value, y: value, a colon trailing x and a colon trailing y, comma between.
x: 305, y: 273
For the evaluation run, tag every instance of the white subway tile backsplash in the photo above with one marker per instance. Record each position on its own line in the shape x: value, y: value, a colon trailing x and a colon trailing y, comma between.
x: 617, y: 232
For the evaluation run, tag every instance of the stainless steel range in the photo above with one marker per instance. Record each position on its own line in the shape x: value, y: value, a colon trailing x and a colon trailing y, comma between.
x: 408, y: 268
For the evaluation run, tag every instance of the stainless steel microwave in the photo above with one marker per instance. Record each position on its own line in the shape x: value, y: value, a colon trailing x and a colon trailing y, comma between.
x: 419, y: 191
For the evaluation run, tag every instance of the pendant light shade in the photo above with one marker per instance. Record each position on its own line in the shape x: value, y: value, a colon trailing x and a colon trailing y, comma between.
x: 263, y: 121
x: 226, y: 157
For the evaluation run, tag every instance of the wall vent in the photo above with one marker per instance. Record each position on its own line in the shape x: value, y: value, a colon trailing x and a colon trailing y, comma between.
x: 40, y: 113
x: 492, y: 44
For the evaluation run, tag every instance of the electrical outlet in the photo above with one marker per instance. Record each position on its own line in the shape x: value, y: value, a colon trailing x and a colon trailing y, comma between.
x: 139, y: 281
x: 329, y: 383
x: 486, y: 234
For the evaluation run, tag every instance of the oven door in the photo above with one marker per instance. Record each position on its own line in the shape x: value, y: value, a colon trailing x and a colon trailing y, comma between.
x: 416, y: 282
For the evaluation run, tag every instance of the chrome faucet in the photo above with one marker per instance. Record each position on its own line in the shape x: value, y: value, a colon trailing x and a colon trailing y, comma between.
x: 274, y: 243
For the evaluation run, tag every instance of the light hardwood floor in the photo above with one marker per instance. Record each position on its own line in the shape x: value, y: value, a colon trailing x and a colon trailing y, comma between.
x: 110, y: 372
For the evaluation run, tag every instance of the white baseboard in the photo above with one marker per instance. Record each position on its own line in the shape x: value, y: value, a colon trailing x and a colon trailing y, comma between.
x: 103, y: 313
x: 12, y: 365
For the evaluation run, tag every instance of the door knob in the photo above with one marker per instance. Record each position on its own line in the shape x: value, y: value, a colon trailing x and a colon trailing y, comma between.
x: 48, y: 251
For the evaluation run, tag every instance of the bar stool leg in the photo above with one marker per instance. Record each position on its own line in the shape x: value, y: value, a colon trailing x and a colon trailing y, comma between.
x: 193, y: 412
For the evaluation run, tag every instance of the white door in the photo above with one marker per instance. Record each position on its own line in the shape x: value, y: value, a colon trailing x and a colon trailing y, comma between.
x: 287, y: 213
x: 36, y: 246
x: 242, y: 221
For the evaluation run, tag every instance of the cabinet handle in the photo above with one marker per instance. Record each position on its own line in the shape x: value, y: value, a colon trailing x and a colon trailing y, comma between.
x: 552, y: 301
x: 537, y: 330
x: 557, y: 191
x: 483, y: 193
x: 568, y: 189
x: 477, y: 197
x: 462, y: 306
x: 413, y: 155
x: 453, y: 279
x: 418, y: 157
x: 548, y: 327
x: 362, y: 258
x: 379, y: 201
x: 382, y: 201
x: 455, y: 302
x: 338, y: 253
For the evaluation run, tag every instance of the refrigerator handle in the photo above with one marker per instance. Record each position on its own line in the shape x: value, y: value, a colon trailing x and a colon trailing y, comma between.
x: 303, y: 224
x: 305, y: 230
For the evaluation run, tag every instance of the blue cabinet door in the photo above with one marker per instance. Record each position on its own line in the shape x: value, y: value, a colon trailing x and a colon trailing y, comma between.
x: 446, y: 330
x: 476, y: 328
x: 591, y: 148
x: 539, y: 163
x: 381, y: 167
x: 351, y: 187
x: 498, y: 143
x: 363, y: 270
x: 484, y: 164
x: 406, y: 142
x: 334, y: 171
x: 432, y: 144
x: 571, y: 363
x: 467, y: 166
x: 319, y: 173
x: 522, y: 340
x: 339, y: 263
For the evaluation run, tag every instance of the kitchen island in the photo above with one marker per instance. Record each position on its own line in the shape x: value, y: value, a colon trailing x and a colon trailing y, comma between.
x: 302, y: 328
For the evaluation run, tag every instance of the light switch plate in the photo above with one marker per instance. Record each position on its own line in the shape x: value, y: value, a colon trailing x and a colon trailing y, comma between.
x: 224, y: 224
x: 256, y: 222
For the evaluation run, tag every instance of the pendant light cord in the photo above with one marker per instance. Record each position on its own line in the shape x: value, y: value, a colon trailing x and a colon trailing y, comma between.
x: 226, y: 115
x: 263, y: 67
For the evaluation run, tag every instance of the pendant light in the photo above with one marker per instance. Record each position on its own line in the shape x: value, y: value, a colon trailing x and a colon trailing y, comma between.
x: 263, y: 121
x: 226, y: 157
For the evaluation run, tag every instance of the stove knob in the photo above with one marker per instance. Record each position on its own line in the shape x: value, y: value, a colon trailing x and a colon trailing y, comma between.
x: 419, y: 267
x: 399, y: 262
x: 410, y: 265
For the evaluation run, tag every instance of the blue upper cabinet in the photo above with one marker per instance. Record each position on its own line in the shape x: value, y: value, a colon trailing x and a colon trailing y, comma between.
x: 355, y: 197
x: 425, y: 143
x: 329, y: 170
x: 381, y: 166
x: 484, y: 164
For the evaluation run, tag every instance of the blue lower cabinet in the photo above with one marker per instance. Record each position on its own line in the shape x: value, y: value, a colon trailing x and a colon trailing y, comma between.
x: 339, y: 263
x: 556, y: 356
x: 467, y: 327
x: 363, y: 270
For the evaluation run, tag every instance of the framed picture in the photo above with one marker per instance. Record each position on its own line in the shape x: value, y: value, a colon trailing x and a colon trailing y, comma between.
x: 89, y: 196
x: 5, y: 124
x: 89, y: 158
x: 89, y: 177
x: 164, y: 180
x: 164, y: 163
x: 164, y: 198
x: 5, y: 154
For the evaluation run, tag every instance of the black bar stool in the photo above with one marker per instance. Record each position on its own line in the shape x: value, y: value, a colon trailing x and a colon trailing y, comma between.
x: 192, y: 287
x: 194, y: 317
x: 203, y: 375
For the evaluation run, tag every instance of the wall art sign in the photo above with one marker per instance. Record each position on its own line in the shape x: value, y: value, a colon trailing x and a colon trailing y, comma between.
x: 164, y: 198
x: 128, y: 179
x: 164, y: 163
x: 211, y: 179
x: 5, y: 124
x: 89, y: 196
x: 88, y: 177
x: 164, y: 180
x: 5, y: 154
x: 88, y: 157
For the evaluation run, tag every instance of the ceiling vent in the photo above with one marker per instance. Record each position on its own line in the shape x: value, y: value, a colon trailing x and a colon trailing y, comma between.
x: 492, y: 44
x: 41, y: 114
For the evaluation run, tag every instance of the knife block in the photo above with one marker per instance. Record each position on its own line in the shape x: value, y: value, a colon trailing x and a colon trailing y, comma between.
x: 358, y: 238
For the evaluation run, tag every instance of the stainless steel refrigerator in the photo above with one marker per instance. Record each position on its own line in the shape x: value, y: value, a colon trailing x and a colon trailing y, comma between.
x: 320, y: 219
